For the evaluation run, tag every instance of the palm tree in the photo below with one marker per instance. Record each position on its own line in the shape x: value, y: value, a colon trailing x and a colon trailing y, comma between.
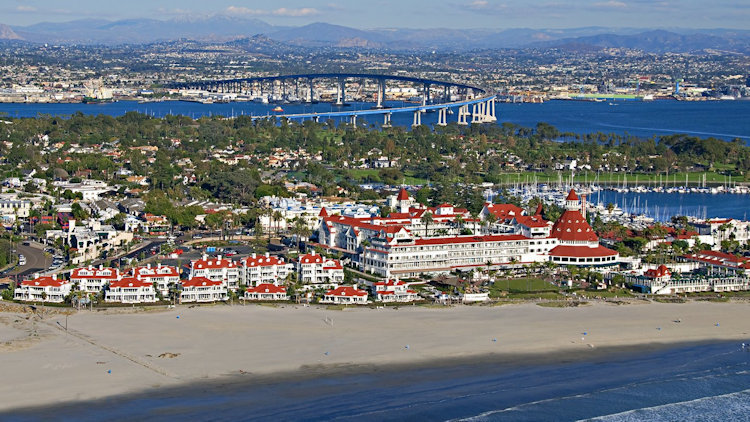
x: 300, y: 229
x: 490, y: 220
x: 277, y: 216
x: 426, y: 220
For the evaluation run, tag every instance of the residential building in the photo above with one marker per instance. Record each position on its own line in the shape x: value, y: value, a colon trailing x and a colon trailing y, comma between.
x: 264, y: 269
x: 345, y: 295
x: 393, y: 291
x: 266, y: 291
x: 131, y: 290
x: 226, y: 271
x: 43, y: 289
x: 94, y: 279
x: 202, y: 289
x: 163, y: 275
x: 317, y: 269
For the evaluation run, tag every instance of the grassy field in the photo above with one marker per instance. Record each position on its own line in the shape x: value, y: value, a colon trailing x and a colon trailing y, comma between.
x: 361, y: 175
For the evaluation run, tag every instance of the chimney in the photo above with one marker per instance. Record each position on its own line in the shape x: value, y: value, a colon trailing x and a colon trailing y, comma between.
x: 267, y: 254
x: 101, y: 267
x: 253, y: 255
x: 218, y: 258
x: 148, y: 266
x: 583, y: 206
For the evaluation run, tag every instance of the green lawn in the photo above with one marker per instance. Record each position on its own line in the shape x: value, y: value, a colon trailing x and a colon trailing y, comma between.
x: 372, y: 174
x: 521, y: 285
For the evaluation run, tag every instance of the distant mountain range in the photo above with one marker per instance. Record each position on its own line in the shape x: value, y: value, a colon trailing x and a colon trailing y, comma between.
x: 227, y: 28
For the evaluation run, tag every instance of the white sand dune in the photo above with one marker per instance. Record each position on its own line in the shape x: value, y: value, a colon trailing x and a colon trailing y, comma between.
x: 106, y: 354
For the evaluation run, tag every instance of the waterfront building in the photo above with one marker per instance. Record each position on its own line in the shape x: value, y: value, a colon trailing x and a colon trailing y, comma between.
x: 94, y: 279
x: 317, y: 269
x: 43, y: 289
x: 163, y: 275
x: 660, y: 281
x: 578, y: 244
x: 226, y: 271
x: 202, y: 289
x: 264, y: 269
x: 721, y: 263
x: 345, y: 295
x: 410, y: 257
x: 266, y: 291
x: 393, y: 291
x: 131, y: 290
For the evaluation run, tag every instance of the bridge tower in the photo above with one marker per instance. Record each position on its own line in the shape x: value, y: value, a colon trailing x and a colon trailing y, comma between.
x: 312, y: 90
x: 341, y: 97
x: 381, y: 93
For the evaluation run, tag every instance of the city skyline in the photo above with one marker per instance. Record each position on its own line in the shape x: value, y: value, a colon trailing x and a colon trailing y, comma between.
x: 459, y: 14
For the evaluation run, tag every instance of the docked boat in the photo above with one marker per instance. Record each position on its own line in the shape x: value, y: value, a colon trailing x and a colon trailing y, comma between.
x: 278, y: 109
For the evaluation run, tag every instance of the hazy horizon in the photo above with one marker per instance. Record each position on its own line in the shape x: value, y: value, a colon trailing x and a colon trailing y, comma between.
x: 385, y: 14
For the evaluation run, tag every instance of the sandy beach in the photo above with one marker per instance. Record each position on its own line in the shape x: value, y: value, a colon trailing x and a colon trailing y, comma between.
x: 107, y: 353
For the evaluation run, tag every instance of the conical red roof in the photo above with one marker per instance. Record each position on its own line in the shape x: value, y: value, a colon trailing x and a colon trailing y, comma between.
x: 572, y: 196
x: 403, y: 195
x: 323, y: 212
x: 572, y: 227
x: 539, y: 209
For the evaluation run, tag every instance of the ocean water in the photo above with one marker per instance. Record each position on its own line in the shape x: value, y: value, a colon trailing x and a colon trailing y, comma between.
x: 719, y: 119
x: 703, y: 382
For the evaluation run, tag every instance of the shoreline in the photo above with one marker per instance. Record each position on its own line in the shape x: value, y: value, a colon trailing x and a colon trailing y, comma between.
x: 105, y: 356
x: 346, y: 374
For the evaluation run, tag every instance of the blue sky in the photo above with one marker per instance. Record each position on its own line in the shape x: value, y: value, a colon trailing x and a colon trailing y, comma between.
x: 495, y: 14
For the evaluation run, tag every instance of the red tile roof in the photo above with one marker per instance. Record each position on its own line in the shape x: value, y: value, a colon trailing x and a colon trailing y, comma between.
x: 346, y: 291
x: 572, y: 196
x: 200, y: 264
x: 155, y: 271
x: 200, y: 281
x: 504, y: 211
x: 95, y: 273
x: 403, y: 195
x: 571, y: 226
x: 532, y: 220
x: 130, y: 282
x: 662, y: 271
x: 45, y: 281
x: 262, y: 261
x: 466, y: 239
x: 267, y: 288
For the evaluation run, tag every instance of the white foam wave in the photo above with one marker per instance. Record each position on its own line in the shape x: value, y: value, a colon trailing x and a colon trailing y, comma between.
x: 725, y: 407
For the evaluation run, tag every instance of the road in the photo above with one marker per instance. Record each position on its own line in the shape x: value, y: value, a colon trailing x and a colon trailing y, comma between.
x: 36, y: 262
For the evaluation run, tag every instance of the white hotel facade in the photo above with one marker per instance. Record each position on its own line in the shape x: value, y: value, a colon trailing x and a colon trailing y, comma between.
x: 411, y: 257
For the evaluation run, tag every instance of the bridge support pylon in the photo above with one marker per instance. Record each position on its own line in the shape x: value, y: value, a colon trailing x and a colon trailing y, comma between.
x: 387, y: 120
x: 442, y: 117
x: 417, y: 118
x: 353, y: 120
x: 476, y: 117
x: 491, y: 116
x: 463, y: 115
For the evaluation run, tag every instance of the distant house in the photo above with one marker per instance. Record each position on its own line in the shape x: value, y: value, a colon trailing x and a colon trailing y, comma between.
x: 266, y: 292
